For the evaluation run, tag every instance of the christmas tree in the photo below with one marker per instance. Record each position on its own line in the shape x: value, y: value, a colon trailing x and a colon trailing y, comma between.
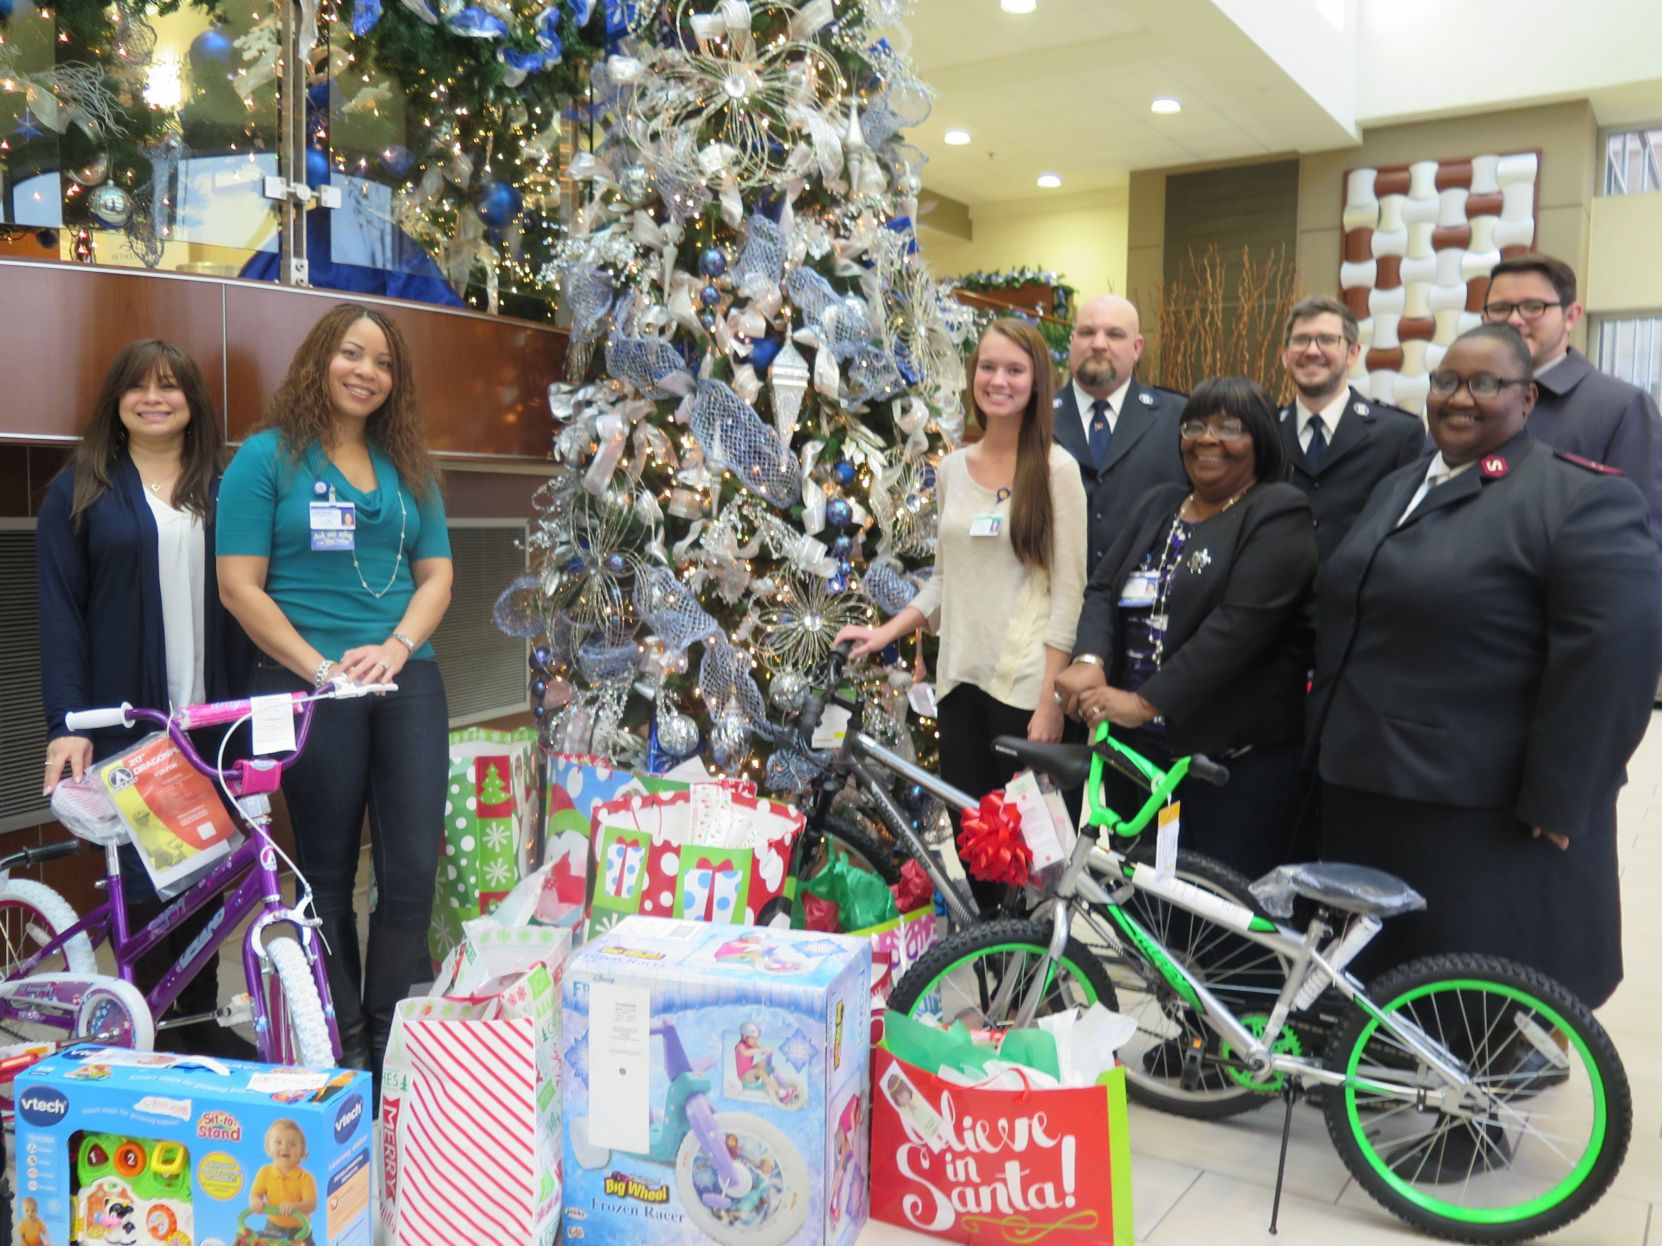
x: 764, y: 374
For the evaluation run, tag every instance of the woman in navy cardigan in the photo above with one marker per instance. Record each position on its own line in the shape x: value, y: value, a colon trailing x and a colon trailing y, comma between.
x: 129, y: 602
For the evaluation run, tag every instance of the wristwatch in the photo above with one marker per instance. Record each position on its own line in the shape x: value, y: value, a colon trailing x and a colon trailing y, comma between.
x: 404, y: 640
x: 1092, y: 659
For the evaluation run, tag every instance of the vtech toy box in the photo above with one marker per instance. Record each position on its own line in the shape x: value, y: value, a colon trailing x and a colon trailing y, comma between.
x: 117, y: 1147
x: 716, y: 1085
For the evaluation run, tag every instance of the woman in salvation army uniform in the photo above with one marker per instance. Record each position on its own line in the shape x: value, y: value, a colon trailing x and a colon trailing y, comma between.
x: 1489, y: 634
x: 1196, y: 630
x: 334, y: 556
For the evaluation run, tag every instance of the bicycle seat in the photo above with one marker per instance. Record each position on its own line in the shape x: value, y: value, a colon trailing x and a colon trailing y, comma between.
x: 1068, y: 764
x: 1349, y: 888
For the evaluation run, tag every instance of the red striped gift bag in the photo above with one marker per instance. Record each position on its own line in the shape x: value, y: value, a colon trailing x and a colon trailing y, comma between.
x: 477, y: 1151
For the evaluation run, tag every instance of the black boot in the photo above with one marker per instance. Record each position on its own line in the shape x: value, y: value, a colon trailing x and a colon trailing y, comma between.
x: 397, y: 961
x: 346, y: 984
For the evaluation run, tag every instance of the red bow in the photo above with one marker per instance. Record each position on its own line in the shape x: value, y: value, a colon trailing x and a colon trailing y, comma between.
x: 914, y: 890
x: 991, y: 844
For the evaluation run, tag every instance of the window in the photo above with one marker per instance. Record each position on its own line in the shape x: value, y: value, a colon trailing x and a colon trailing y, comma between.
x: 1631, y: 349
x: 1632, y: 163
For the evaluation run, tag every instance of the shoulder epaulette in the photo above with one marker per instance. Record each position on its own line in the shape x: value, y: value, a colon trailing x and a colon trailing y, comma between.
x: 1603, y: 469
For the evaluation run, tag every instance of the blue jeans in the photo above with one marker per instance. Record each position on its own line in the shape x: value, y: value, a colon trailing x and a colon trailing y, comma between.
x: 384, y: 755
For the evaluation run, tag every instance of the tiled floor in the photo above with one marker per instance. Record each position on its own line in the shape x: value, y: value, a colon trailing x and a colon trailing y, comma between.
x: 1196, y: 1184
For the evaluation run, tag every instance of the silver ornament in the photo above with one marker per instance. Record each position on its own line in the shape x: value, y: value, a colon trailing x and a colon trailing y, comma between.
x: 677, y: 735
x: 635, y: 183
x: 730, y: 741
x: 110, y: 205
x: 93, y: 171
x: 788, y: 690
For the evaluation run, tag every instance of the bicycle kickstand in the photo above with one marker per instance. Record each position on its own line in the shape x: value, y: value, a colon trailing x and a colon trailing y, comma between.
x: 1289, y: 1092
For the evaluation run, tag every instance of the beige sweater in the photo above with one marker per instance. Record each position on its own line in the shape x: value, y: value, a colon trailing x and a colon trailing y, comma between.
x: 994, y: 615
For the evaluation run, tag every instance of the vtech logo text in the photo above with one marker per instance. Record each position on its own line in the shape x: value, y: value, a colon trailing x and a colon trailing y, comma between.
x: 346, y: 1120
x: 41, y: 1105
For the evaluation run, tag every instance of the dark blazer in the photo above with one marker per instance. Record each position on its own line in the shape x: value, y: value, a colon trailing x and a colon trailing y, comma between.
x: 101, y: 640
x: 1582, y: 410
x: 1239, y: 639
x: 1142, y: 454
x: 1372, y: 441
x: 1488, y: 653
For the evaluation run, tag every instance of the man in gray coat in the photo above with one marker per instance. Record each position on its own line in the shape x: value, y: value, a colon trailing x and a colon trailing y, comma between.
x: 1580, y: 410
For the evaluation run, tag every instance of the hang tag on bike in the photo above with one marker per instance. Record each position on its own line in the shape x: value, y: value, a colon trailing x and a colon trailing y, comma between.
x: 273, y: 724
x: 1044, y: 820
x: 620, y: 1066
x: 922, y: 699
x: 833, y: 726
x: 1165, y: 844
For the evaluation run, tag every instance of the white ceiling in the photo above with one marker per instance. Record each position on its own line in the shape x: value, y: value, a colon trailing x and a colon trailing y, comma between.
x: 1066, y: 89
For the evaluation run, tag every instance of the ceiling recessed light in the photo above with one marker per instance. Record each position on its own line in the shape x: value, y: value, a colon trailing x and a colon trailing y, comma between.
x: 1018, y: 6
x: 957, y: 138
x: 1050, y: 181
x: 1166, y: 104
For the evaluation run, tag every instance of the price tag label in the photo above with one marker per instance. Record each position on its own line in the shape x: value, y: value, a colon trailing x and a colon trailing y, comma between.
x: 273, y: 724
x: 1044, y: 820
x: 833, y: 726
x: 1165, y: 847
x: 922, y: 698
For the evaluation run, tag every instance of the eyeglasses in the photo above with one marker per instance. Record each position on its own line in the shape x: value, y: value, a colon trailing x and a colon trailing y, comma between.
x: 1327, y: 341
x: 1225, y: 428
x: 1529, y: 309
x: 1481, y: 384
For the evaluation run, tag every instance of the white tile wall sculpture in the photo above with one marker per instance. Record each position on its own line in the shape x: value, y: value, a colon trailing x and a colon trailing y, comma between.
x: 1419, y: 240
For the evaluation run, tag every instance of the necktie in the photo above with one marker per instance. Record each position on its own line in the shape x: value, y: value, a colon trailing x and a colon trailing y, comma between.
x: 1316, y: 451
x: 1100, y: 432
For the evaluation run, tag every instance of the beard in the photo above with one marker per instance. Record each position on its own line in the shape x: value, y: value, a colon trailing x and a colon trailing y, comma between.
x: 1097, y: 372
x: 1330, y: 380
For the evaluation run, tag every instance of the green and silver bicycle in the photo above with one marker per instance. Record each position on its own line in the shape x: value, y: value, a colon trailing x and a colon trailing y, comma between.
x: 1473, y: 1097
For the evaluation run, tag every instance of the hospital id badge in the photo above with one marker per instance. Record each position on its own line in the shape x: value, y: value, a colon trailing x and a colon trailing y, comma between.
x: 986, y: 525
x: 334, y: 525
x: 1140, y: 588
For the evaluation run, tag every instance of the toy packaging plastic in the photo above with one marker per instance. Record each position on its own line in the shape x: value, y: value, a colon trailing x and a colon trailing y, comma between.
x: 716, y: 1085
x: 118, y: 1147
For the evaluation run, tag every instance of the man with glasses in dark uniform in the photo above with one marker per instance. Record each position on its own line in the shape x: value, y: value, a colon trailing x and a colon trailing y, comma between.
x: 1580, y: 410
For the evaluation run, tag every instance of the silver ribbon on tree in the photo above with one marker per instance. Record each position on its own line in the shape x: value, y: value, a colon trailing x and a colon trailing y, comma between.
x: 733, y: 436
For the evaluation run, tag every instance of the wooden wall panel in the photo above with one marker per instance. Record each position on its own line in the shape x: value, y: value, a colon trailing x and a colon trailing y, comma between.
x: 482, y: 380
x: 65, y: 322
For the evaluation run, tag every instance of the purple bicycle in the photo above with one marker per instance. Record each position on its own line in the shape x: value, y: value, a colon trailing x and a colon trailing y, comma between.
x: 51, y: 992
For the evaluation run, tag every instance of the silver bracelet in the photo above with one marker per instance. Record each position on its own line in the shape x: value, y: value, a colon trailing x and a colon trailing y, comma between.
x: 1092, y: 659
x: 404, y: 640
x: 321, y: 675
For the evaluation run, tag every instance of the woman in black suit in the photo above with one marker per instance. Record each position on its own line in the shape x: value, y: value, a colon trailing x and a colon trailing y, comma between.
x: 1490, y: 637
x: 1196, y: 632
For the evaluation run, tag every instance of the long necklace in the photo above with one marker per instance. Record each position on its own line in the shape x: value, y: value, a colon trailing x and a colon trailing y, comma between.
x: 403, y: 516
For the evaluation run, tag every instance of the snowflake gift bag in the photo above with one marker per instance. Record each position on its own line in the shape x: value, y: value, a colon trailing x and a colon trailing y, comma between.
x: 706, y: 853
x: 491, y: 827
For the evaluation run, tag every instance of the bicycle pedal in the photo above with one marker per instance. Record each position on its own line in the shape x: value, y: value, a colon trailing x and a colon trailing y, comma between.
x: 239, y: 1010
x: 1193, y: 1056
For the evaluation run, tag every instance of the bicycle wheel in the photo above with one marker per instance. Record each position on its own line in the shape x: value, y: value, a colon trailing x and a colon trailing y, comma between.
x: 116, y: 1014
x: 863, y: 844
x: 31, y: 916
x: 983, y: 976
x: 296, y: 1032
x: 1245, y: 976
x: 1530, y: 1138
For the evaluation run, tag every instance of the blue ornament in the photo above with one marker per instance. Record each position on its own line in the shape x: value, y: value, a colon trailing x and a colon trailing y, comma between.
x: 538, y: 710
x: 839, y: 513
x: 842, y: 546
x: 210, y: 51
x: 538, y: 688
x: 498, y: 203
x: 542, y: 658
x: 763, y: 351
x: 317, y: 166
x: 712, y: 263
x: 616, y: 563
x: 889, y: 656
x: 708, y: 320
x: 709, y: 296
x: 397, y: 160
x: 914, y: 797
x: 843, y: 472
x: 837, y: 584
x: 845, y: 565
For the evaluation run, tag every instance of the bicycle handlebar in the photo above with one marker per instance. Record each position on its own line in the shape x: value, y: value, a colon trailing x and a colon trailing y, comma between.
x: 813, y: 709
x: 92, y: 720
x: 1161, y: 783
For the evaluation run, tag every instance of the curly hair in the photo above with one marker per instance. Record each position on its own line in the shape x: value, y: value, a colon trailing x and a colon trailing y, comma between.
x: 301, y: 413
x: 104, y: 439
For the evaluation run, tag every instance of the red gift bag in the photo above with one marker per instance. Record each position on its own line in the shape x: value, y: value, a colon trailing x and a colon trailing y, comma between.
x: 1012, y: 1166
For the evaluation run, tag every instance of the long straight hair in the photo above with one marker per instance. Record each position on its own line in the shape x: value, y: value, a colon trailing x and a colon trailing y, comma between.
x: 104, y: 440
x: 1031, y: 510
x: 300, y: 408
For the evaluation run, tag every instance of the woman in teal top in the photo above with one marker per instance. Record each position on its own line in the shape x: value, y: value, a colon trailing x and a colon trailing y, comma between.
x: 333, y: 555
